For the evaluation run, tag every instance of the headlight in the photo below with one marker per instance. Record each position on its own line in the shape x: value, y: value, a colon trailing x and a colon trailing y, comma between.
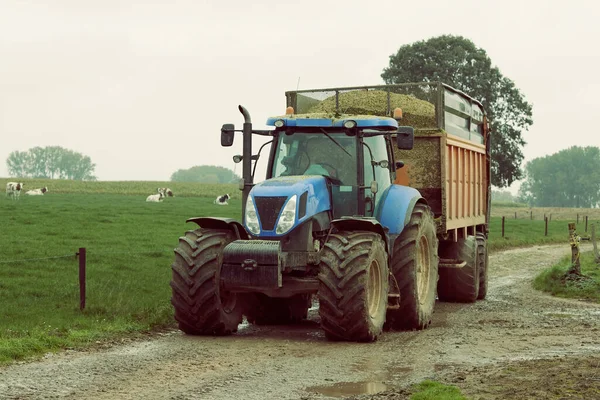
x: 251, y: 217
x: 287, y: 217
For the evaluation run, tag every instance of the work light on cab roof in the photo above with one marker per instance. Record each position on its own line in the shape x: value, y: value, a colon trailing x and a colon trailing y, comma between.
x: 321, y: 120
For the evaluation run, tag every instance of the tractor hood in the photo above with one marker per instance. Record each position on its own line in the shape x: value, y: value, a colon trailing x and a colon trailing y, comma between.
x: 270, y: 198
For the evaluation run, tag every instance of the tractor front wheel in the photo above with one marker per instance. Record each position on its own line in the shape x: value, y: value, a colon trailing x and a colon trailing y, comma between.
x: 353, y: 287
x: 202, y: 307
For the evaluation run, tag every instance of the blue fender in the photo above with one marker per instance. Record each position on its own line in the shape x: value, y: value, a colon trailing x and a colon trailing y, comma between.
x: 362, y: 224
x: 396, y: 206
x: 221, y: 223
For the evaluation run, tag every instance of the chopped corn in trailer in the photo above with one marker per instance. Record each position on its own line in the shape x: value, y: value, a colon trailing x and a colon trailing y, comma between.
x: 376, y: 201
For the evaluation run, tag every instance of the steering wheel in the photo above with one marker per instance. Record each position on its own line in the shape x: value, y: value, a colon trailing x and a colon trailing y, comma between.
x: 335, y: 178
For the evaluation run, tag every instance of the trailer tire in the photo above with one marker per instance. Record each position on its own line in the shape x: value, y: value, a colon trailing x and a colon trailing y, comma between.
x: 353, y: 286
x: 483, y: 260
x: 265, y: 310
x: 461, y: 285
x: 201, y: 307
x: 415, y: 268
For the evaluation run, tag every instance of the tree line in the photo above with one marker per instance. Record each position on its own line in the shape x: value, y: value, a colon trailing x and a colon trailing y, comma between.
x: 51, y: 162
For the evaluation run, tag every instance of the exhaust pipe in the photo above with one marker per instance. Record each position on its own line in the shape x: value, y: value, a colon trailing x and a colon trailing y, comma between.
x: 247, y: 157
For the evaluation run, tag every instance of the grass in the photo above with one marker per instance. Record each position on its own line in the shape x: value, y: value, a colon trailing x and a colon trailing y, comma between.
x: 526, y: 232
x: 129, y: 251
x: 553, y: 280
x: 431, y: 390
x: 180, y: 189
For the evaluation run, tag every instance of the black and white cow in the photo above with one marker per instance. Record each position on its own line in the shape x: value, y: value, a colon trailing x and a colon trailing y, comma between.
x: 222, y: 200
x: 37, y: 192
x: 165, y: 191
x: 13, y: 189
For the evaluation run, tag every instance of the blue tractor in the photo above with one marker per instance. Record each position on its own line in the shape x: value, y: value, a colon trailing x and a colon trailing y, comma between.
x: 328, y: 221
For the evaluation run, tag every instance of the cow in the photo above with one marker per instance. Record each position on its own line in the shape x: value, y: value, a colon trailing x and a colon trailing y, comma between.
x: 37, y: 192
x: 155, y: 198
x: 165, y: 191
x: 13, y: 189
x: 222, y: 200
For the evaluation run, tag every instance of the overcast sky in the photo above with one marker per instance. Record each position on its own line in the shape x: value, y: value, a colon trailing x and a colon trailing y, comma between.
x: 143, y: 87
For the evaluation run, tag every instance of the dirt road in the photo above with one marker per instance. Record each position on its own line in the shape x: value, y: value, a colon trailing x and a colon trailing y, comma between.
x: 469, y: 345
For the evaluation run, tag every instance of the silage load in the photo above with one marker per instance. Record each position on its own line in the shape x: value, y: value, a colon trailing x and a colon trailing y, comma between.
x: 417, y: 113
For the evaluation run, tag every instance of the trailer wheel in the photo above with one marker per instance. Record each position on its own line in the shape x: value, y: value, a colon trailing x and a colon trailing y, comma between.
x: 264, y: 310
x: 461, y: 284
x: 353, y: 286
x: 483, y: 260
x: 201, y: 306
x: 415, y: 268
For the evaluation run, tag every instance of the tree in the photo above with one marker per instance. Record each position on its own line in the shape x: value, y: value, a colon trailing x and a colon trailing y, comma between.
x: 205, y: 174
x: 569, y: 178
x: 457, y: 62
x: 50, y: 162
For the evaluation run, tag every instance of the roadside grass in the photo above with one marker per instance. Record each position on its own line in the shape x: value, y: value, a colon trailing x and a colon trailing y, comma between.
x: 431, y: 390
x: 552, y: 280
x: 129, y: 247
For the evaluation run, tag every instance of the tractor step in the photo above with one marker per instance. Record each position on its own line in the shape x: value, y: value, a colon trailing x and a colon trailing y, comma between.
x: 393, y: 301
x: 451, y: 263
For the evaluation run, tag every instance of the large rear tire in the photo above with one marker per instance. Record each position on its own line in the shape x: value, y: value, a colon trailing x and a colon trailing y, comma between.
x: 483, y: 260
x: 265, y: 310
x: 415, y: 268
x: 353, y: 286
x: 201, y: 306
x: 460, y: 285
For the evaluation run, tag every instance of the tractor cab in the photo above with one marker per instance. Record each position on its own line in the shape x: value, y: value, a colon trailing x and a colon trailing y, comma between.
x: 353, y: 154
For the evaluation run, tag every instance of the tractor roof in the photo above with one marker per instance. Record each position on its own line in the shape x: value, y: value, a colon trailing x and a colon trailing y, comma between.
x: 326, y: 120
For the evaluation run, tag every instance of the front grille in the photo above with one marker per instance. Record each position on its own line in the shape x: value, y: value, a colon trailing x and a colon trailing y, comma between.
x: 268, y: 210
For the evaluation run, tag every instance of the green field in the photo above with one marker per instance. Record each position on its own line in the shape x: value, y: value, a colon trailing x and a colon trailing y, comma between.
x: 129, y: 247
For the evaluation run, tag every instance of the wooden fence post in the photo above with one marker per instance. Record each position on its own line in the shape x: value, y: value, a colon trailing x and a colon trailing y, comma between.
x: 596, y: 254
x: 574, y: 240
x: 515, y: 215
x: 503, y: 226
x: 531, y: 215
x: 82, y: 257
x: 586, y: 219
x: 546, y: 229
x: 577, y: 217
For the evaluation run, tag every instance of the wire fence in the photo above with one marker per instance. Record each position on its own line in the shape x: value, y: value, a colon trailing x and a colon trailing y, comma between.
x: 81, y: 255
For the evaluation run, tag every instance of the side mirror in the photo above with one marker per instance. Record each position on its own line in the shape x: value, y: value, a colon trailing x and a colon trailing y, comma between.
x: 227, y: 132
x: 405, y: 137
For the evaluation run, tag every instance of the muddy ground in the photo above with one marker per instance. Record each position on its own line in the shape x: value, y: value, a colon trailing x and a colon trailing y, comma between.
x: 518, y: 344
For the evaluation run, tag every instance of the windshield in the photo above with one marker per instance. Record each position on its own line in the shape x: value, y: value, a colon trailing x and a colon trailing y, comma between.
x: 331, y: 154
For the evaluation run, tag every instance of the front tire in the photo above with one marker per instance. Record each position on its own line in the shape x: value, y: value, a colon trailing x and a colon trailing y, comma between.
x: 353, y: 286
x: 201, y: 306
x: 415, y: 268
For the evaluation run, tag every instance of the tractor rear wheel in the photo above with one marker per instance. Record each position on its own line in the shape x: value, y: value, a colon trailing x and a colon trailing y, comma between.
x: 353, y: 287
x: 264, y: 310
x: 202, y: 307
x: 460, y: 285
x: 483, y: 260
x: 415, y: 268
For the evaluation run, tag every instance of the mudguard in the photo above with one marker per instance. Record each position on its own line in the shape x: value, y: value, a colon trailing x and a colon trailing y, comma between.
x: 394, y: 209
x: 221, y: 223
x: 361, y: 224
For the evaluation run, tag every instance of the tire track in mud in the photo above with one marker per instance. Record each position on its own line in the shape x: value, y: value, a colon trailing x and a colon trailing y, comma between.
x: 297, y: 362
